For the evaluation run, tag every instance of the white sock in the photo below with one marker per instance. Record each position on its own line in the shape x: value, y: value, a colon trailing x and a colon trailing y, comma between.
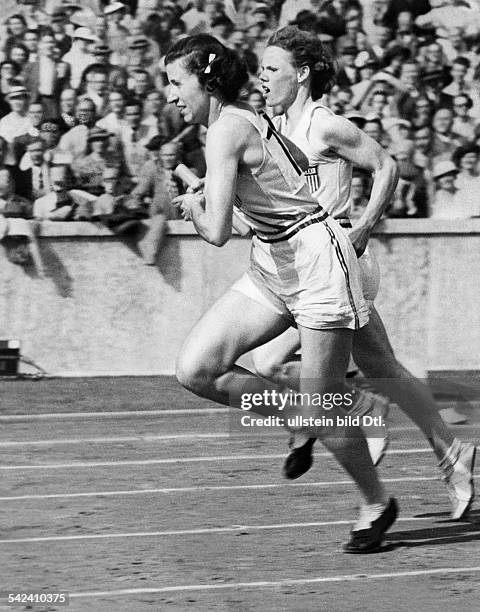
x: 299, y: 439
x: 368, y: 514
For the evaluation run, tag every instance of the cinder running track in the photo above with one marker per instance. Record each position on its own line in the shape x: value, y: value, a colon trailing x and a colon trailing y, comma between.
x: 135, y: 496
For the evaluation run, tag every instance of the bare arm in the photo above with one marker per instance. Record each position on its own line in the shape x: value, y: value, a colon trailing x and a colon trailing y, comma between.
x: 212, y: 212
x: 352, y: 144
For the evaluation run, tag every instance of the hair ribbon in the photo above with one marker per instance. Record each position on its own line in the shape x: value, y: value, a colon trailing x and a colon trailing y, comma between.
x: 208, y: 69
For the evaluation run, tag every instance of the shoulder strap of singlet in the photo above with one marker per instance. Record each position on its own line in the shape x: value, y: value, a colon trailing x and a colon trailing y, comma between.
x: 305, y: 123
x: 273, y: 132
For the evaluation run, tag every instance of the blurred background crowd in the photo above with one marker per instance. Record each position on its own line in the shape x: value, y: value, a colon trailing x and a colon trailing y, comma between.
x: 86, y: 133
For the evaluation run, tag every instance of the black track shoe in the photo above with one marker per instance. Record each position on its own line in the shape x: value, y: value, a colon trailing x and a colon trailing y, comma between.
x: 299, y: 460
x: 370, y: 540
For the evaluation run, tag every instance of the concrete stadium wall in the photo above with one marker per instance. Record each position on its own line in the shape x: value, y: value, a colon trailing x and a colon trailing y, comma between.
x: 90, y: 306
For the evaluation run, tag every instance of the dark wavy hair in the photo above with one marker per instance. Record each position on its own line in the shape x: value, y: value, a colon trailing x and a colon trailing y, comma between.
x: 226, y: 72
x: 307, y: 50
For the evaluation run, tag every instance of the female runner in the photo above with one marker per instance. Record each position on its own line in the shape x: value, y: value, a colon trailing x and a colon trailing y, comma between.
x: 302, y: 263
x: 296, y: 72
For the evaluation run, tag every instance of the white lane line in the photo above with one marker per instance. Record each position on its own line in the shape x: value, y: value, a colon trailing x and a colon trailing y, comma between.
x: 182, y: 532
x: 208, y: 488
x: 116, y: 439
x: 168, y: 437
x: 277, y: 583
x: 111, y: 413
x: 95, y: 464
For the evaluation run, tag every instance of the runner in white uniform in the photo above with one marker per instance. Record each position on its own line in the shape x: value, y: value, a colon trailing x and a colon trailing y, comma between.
x: 295, y: 71
x: 301, y: 261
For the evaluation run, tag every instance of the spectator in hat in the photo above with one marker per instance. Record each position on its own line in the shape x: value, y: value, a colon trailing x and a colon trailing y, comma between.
x: 467, y: 181
x: 114, y: 120
x: 79, y: 57
x: 88, y: 169
x: 444, y: 140
x: 75, y: 141
x: 63, y: 203
x: 16, y: 122
x: 138, y: 58
x: 102, y: 55
x: 46, y: 78
x: 116, y: 32
x: 138, y: 29
x: 446, y: 203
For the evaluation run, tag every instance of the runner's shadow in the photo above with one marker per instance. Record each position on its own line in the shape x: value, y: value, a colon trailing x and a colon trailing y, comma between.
x: 455, y: 532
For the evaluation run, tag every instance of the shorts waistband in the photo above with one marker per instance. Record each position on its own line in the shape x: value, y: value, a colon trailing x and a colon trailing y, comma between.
x: 315, y: 217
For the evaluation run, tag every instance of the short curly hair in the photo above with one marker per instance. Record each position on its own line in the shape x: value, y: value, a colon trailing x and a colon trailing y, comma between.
x: 225, y: 72
x: 307, y: 50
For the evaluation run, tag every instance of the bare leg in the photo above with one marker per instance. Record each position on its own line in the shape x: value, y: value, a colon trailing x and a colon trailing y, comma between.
x: 234, y: 325
x: 375, y: 357
x: 231, y: 327
x: 325, y: 358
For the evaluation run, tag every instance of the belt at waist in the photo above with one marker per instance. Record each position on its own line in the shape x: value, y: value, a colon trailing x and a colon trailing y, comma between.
x: 315, y: 217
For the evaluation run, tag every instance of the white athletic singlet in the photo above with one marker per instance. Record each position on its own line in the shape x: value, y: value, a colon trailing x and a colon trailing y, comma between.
x: 302, y: 263
x: 275, y: 198
x: 329, y: 176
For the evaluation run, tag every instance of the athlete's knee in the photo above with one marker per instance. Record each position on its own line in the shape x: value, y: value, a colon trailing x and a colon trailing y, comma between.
x: 192, y: 374
x: 267, y: 367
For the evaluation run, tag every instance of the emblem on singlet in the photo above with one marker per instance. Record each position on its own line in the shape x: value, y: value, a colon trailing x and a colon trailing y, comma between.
x: 313, y: 180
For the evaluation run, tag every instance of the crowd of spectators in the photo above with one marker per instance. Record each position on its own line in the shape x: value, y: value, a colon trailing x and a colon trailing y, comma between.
x: 86, y: 133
